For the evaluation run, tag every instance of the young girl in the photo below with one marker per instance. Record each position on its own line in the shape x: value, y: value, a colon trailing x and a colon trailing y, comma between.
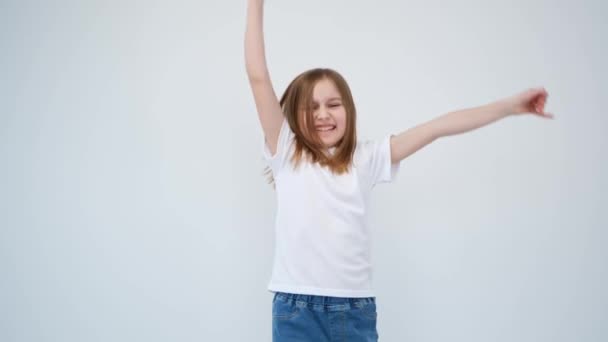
x: 321, y: 277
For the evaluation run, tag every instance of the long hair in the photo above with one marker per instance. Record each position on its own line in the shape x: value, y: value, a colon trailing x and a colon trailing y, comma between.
x: 296, y: 101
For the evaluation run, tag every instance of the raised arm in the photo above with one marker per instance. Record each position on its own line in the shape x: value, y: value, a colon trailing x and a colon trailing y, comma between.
x: 406, y: 143
x: 267, y: 104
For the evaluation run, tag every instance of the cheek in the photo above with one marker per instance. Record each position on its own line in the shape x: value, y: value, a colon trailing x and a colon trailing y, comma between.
x: 342, y: 120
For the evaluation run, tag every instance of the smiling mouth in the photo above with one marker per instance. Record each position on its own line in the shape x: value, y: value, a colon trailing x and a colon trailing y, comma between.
x: 326, y: 128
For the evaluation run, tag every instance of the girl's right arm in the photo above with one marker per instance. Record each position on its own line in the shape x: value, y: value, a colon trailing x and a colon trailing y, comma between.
x: 267, y: 104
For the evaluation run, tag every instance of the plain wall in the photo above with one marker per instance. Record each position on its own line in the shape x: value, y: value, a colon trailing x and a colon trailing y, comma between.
x: 133, y: 205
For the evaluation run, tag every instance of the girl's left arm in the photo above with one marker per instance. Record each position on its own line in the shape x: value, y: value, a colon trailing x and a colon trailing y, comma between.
x: 406, y: 143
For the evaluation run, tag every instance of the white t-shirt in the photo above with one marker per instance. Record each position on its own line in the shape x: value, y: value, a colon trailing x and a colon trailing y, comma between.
x: 322, y: 239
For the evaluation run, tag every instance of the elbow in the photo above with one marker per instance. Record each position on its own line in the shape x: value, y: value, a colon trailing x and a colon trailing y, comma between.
x: 256, y: 74
x: 257, y: 77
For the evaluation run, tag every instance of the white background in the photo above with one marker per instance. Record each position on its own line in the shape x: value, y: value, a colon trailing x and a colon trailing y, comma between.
x: 133, y: 205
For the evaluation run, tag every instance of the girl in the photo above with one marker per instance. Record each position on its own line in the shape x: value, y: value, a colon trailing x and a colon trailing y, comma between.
x: 321, y: 277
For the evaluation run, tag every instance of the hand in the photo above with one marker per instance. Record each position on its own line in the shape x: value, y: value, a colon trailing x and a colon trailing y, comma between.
x: 530, y: 101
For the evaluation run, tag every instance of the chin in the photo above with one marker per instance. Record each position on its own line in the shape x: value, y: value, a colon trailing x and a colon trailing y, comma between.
x: 331, y: 144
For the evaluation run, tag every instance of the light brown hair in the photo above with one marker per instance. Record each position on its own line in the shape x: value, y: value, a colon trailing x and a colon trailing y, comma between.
x: 296, y: 101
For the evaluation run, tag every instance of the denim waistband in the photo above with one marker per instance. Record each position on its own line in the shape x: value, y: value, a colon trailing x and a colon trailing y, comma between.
x: 323, y: 300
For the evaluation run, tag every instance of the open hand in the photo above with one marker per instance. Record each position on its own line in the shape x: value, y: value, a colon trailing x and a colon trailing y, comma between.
x: 530, y: 101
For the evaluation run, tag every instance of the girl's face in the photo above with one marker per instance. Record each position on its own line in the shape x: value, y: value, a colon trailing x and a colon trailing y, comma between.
x: 328, y: 112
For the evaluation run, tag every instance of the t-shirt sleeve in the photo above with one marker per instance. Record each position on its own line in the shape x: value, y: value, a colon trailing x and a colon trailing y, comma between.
x: 379, y: 166
x: 284, y: 141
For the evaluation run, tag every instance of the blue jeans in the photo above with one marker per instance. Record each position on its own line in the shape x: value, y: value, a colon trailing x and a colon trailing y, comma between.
x: 302, y: 318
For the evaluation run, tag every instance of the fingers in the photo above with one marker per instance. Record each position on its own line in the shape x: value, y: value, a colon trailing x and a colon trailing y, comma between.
x: 539, y: 106
x: 540, y: 101
x: 536, y: 100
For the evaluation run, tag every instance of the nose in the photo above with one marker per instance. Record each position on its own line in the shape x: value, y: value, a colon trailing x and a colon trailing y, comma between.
x: 322, y: 114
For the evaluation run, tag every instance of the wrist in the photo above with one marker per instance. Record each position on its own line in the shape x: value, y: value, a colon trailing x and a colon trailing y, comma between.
x: 506, y: 106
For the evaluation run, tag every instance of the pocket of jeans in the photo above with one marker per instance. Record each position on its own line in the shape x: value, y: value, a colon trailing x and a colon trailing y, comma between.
x: 284, y: 310
x: 369, y: 311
